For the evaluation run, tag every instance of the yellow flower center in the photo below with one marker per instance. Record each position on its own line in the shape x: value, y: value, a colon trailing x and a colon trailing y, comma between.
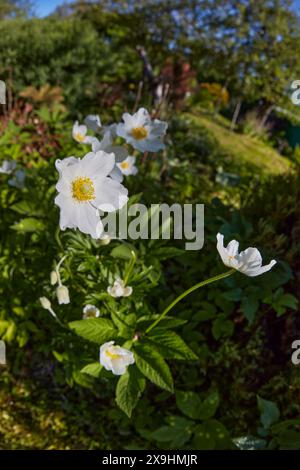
x: 79, y: 137
x: 125, y: 165
x: 83, y: 189
x: 139, y: 133
x: 112, y: 355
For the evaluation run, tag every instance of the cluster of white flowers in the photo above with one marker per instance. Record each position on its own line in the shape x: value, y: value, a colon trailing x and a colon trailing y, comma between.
x: 92, y: 184
x: 9, y: 167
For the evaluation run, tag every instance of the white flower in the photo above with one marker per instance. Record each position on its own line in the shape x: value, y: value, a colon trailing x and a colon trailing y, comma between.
x: 84, y: 187
x: 62, y: 293
x: 18, y: 181
x: 120, y: 153
x: 7, y: 167
x: 141, y: 132
x: 105, y: 239
x: 93, y: 122
x: 248, y: 262
x: 90, y: 311
x: 119, y: 289
x: 79, y: 134
x: 115, y: 358
x: 128, y: 167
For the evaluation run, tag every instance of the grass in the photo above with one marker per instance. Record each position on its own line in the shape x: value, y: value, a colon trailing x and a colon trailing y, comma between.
x: 249, y: 150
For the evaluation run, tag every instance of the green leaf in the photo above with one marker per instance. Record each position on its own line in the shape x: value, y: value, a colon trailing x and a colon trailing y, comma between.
x: 124, y: 322
x: 94, y: 369
x: 189, y: 403
x: 269, y: 412
x: 129, y: 389
x: 28, y: 224
x: 171, y: 345
x: 211, y: 435
x: 249, y: 307
x: 97, y: 330
x: 177, y: 432
x: 153, y: 366
x: 222, y: 327
x: 281, y: 301
x: 209, y: 406
x: 26, y: 208
x: 123, y: 251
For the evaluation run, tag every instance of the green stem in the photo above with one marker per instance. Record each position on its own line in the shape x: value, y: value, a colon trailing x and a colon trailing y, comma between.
x: 130, y: 267
x: 187, y: 292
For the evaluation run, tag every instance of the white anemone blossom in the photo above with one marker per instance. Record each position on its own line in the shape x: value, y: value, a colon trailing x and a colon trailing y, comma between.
x: 93, y: 121
x: 127, y: 166
x: 18, y: 180
x: 248, y: 262
x: 120, y: 153
x: 90, y: 311
x: 119, y: 289
x: 84, y: 188
x: 142, y: 132
x: 115, y: 358
x: 79, y: 133
x: 8, y: 166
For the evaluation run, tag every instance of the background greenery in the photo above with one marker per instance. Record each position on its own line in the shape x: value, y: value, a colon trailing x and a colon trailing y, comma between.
x: 242, y: 391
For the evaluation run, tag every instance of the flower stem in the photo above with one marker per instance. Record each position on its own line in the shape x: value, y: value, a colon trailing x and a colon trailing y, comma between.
x: 130, y: 267
x: 187, y: 292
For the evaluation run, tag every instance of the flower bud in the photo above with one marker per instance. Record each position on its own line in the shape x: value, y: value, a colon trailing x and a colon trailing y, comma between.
x: 62, y: 293
x: 46, y: 304
x: 53, y: 278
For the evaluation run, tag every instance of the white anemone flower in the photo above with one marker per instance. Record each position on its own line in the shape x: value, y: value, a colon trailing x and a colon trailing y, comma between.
x: 18, y: 180
x: 119, y: 289
x: 248, y: 262
x: 7, y: 167
x: 79, y: 133
x: 85, y: 188
x: 141, y: 132
x: 127, y: 166
x: 93, y: 122
x: 90, y: 311
x: 120, y: 153
x: 115, y: 358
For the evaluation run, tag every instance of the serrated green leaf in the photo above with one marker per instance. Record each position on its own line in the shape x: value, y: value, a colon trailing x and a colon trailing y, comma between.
x: 94, y: 369
x: 153, y: 366
x: 129, y: 389
x: 124, y: 322
x: 97, y: 330
x: 171, y: 345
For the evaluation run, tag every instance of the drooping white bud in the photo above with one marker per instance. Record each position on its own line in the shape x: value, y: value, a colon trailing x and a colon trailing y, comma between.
x: 46, y: 304
x: 62, y: 293
x: 53, y: 278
